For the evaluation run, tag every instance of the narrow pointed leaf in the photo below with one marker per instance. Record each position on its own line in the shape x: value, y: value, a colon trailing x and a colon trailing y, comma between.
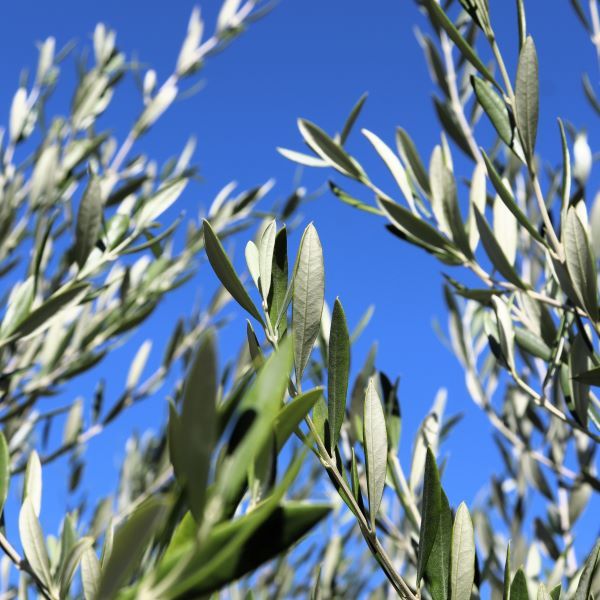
x: 507, y: 197
x: 437, y: 571
x: 90, y: 574
x: 375, y: 441
x: 527, y: 97
x: 518, y: 587
x: 309, y: 296
x: 416, y: 228
x: 394, y: 165
x: 198, y: 422
x: 430, y: 519
x: 590, y: 570
x: 279, y: 283
x: 226, y: 273
x: 293, y: 413
x: 494, y: 251
x: 32, y: 540
x: 439, y: 16
x: 410, y: 155
x: 129, y: 546
x: 581, y: 263
x: 352, y: 117
x: 495, y: 108
x: 338, y: 371
x: 328, y: 149
x: 462, y: 570
x: 89, y: 221
x: 267, y: 247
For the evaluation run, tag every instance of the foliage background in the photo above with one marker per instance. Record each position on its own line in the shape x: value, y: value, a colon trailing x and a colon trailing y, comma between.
x: 312, y: 59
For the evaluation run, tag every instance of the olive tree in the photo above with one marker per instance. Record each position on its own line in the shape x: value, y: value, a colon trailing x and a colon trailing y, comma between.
x: 526, y: 334
x: 85, y: 258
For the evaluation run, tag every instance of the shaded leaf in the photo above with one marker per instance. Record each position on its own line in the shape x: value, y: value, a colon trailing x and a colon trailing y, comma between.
x: 225, y: 271
x: 430, y: 513
x: 89, y: 221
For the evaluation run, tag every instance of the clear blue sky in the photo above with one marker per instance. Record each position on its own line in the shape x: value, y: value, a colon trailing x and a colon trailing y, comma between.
x: 313, y: 59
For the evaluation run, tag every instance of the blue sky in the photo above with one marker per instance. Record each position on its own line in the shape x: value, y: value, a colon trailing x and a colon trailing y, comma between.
x: 312, y: 59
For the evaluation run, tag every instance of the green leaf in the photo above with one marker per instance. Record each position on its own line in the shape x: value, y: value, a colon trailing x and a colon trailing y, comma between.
x: 506, y: 229
x: 445, y: 202
x: 32, y: 483
x: 506, y: 583
x: 581, y: 263
x: 375, y: 442
x: 518, y: 587
x: 591, y: 377
x: 394, y: 165
x: 238, y: 546
x: 253, y: 262
x: 247, y: 546
x: 302, y: 159
x: 495, y: 108
x: 590, y: 569
x: 130, y: 543
x: 430, y: 513
x: 329, y: 150
x: 279, y: 283
x: 74, y: 422
x: 555, y: 592
x: 69, y: 566
x: 505, y: 331
x: 4, y: 471
x: 494, y: 251
x: 351, y: 201
x: 439, y: 16
x: 410, y: 155
x: 565, y: 187
x: 226, y: 273
x: 437, y: 571
x: 462, y: 564
x: 293, y: 413
x: 352, y: 117
x: 309, y: 296
x: 32, y: 540
x: 19, y: 304
x: 265, y: 258
x: 89, y: 221
x: 338, y: 371
x: 542, y: 593
x: 527, y: 97
x: 198, y: 422
x: 506, y: 196
x: 257, y: 412
x: 41, y: 318
x: 579, y: 362
x: 254, y: 348
x: 416, y: 229
x: 90, y: 574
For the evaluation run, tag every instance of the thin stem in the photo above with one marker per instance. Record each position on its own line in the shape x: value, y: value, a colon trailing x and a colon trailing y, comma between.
x: 23, y: 565
x: 503, y: 72
x: 369, y: 534
x: 542, y: 401
x: 544, y: 212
